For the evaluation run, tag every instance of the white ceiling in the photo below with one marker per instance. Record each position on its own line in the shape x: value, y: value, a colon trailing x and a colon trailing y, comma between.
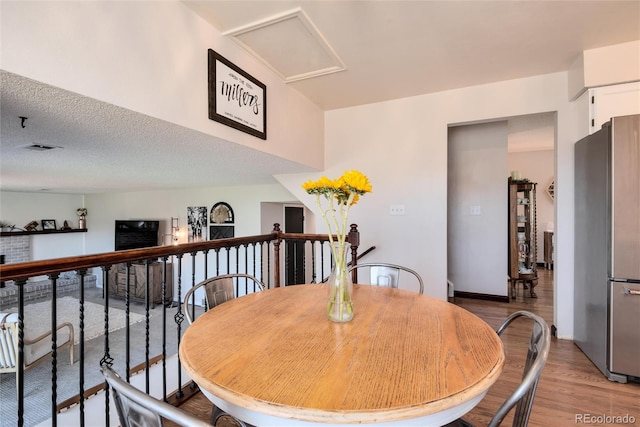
x: 395, y: 49
x: 391, y: 49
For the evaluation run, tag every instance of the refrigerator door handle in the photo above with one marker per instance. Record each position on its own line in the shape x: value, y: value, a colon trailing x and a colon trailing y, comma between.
x: 629, y: 291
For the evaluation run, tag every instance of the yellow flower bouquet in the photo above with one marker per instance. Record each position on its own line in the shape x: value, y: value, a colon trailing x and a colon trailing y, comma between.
x: 335, y: 198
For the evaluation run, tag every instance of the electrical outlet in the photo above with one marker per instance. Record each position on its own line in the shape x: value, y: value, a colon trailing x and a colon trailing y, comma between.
x: 475, y: 210
x: 396, y: 210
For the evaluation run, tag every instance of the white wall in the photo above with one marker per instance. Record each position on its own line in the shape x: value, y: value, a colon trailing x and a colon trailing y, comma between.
x: 21, y: 208
x: 617, y: 63
x: 604, y: 66
x: 402, y: 146
x: 537, y: 166
x: 149, y: 57
x: 104, y: 209
x: 271, y: 213
x: 476, y: 251
x: 246, y: 201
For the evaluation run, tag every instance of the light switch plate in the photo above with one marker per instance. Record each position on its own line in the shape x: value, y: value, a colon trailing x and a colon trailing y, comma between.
x: 396, y: 210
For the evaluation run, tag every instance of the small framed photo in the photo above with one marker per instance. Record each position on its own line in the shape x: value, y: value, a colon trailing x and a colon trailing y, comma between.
x: 48, y: 224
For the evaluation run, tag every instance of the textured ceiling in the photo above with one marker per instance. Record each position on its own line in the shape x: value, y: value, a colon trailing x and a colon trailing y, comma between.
x: 391, y: 49
x: 107, y: 148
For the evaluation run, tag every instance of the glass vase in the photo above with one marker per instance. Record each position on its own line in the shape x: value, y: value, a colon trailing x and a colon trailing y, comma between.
x: 340, y: 303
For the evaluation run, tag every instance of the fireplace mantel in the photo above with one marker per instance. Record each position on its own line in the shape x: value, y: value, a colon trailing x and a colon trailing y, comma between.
x: 26, y: 233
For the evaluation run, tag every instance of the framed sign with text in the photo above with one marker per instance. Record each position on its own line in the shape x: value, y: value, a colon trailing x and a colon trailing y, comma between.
x: 235, y: 98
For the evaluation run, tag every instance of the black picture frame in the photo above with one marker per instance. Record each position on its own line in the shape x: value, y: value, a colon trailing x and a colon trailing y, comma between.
x: 196, y: 223
x: 236, y: 99
x: 221, y: 213
x: 48, y: 224
x: 221, y: 232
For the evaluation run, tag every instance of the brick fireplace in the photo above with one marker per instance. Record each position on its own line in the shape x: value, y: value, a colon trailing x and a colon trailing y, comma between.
x: 15, y: 248
x: 18, y: 249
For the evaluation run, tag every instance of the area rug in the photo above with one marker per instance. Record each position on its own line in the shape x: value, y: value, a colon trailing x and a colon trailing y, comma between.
x: 37, y: 318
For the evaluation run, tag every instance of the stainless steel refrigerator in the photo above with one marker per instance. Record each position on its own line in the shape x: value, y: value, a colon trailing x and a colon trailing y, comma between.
x: 607, y: 248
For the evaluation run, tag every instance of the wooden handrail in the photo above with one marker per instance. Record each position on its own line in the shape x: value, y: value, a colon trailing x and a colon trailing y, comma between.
x: 371, y: 249
x: 25, y: 270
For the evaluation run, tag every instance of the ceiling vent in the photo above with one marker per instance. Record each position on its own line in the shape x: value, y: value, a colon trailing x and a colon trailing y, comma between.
x: 40, y: 147
x: 290, y: 45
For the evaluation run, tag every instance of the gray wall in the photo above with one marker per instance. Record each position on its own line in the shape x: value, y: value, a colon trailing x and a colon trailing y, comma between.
x: 477, y: 208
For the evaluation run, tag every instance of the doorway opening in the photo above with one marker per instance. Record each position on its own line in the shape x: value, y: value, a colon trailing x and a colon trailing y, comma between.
x: 294, y: 251
x: 525, y: 144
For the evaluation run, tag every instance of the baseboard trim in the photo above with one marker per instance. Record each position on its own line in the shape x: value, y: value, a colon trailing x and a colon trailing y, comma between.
x: 486, y: 297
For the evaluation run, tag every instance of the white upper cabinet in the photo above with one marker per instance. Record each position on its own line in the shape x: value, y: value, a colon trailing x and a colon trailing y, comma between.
x: 612, y: 101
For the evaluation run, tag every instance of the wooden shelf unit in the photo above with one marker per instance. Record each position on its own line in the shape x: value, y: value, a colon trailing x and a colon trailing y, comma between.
x: 522, y: 249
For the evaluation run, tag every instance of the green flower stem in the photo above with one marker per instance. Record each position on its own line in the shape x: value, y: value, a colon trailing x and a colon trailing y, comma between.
x: 340, y: 291
x: 340, y: 288
x: 326, y: 221
x: 332, y: 211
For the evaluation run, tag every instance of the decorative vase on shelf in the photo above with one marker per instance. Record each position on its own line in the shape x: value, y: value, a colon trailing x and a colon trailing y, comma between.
x: 82, y: 218
x: 340, y: 304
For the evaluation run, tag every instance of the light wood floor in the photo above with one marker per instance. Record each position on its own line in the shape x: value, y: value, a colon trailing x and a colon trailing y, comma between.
x: 571, y: 386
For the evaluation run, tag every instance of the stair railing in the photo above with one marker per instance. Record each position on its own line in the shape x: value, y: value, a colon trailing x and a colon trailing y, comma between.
x: 259, y: 255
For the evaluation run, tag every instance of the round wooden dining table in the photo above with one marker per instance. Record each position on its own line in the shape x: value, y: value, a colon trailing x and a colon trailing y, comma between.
x: 273, y: 358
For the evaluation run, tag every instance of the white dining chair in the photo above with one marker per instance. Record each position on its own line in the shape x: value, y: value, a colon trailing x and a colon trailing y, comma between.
x: 36, y: 348
x: 385, y: 274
